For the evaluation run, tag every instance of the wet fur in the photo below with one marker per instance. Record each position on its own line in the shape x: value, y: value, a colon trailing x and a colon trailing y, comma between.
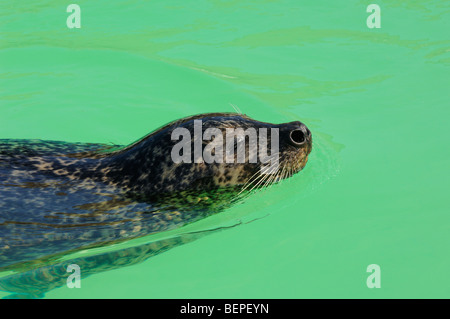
x: 76, y: 195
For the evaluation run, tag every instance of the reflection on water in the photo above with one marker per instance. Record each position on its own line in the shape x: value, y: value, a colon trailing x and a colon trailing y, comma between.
x: 135, y: 66
x: 45, y: 215
x: 36, y: 246
x: 35, y: 282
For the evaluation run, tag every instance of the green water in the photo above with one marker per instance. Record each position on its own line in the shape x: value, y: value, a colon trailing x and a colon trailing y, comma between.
x: 375, y: 189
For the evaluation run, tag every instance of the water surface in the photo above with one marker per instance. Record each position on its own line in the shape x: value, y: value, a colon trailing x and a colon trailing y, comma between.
x: 374, y: 190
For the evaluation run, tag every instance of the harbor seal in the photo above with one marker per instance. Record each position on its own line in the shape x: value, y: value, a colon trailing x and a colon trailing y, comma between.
x: 58, y: 197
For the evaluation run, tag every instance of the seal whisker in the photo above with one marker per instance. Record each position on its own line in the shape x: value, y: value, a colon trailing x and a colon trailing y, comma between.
x: 159, y: 182
x: 261, y: 181
x: 252, y: 178
x: 236, y: 108
x: 275, y: 179
x: 270, y: 179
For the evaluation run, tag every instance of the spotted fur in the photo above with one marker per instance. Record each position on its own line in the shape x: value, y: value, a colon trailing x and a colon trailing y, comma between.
x: 57, y: 197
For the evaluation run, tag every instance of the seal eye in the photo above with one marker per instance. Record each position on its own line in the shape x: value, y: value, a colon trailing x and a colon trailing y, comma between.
x: 297, y: 137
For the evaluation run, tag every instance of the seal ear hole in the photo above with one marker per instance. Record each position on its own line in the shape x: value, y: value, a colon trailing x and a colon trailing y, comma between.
x: 297, y: 137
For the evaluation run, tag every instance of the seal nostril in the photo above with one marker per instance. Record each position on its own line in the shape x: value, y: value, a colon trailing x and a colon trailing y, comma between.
x: 297, y: 136
x: 308, y: 132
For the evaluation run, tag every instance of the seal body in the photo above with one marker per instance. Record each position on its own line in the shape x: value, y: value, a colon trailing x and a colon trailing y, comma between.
x: 57, y: 197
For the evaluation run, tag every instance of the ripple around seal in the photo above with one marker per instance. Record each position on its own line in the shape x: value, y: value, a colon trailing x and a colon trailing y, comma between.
x: 65, y: 108
x: 381, y: 92
x: 33, y: 281
x: 127, y: 96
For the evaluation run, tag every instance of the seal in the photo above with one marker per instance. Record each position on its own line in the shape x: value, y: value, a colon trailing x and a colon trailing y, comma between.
x: 77, y: 195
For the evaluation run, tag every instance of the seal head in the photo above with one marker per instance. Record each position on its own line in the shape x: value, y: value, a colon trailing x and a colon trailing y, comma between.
x: 157, y: 164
